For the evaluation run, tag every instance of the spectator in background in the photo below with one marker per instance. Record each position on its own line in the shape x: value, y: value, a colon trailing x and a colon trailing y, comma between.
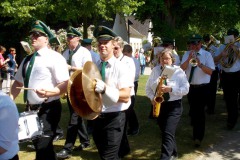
x: 3, y: 63
x: 12, y: 67
x: 136, y: 54
x: 8, y: 128
x: 142, y: 60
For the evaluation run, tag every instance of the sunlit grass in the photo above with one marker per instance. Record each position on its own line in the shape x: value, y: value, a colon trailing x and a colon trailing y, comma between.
x: 147, y: 144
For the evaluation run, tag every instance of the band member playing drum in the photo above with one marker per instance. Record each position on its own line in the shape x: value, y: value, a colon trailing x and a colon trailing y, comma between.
x: 198, y: 65
x: 45, y: 75
x: 228, y: 57
x: 114, y: 88
x: 173, y: 90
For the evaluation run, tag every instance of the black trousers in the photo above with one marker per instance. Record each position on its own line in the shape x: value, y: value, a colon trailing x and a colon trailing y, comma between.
x: 231, y: 88
x: 212, y: 91
x: 107, y: 134
x: 131, y: 117
x: 76, y: 126
x: 197, y: 99
x: 170, y: 114
x: 49, y: 114
x: 15, y: 157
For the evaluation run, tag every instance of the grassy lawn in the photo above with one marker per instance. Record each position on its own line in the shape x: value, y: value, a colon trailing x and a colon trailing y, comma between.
x: 146, y: 145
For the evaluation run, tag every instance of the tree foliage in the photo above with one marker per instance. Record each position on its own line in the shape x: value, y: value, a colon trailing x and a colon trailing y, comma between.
x: 178, y: 18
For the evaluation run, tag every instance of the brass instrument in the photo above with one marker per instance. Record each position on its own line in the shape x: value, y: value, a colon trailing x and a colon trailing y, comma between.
x: 193, y: 61
x: 158, y: 99
x: 232, y: 54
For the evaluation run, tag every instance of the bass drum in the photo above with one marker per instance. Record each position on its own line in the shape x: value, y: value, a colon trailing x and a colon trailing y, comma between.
x: 29, y: 126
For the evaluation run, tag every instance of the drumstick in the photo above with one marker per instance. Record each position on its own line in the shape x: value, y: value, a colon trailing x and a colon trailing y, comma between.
x: 24, y: 88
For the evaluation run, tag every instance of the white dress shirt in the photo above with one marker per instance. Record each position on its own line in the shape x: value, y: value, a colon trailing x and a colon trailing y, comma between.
x: 200, y: 77
x: 79, y: 58
x: 117, y: 76
x: 178, y: 82
x: 236, y: 65
x: 49, y: 69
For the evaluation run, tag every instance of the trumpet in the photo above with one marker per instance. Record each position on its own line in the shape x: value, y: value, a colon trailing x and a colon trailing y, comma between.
x: 193, y: 61
x: 158, y: 99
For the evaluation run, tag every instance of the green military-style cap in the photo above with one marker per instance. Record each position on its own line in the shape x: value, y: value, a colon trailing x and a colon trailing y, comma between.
x: 103, y: 33
x: 73, y: 31
x: 233, y: 31
x: 195, y: 38
x: 39, y: 26
x: 87, y: 41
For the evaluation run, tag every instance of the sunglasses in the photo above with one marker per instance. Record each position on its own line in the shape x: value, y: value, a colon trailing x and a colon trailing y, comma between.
x: 116, y: 48
x: 71, y: 36
x: 37, y: 34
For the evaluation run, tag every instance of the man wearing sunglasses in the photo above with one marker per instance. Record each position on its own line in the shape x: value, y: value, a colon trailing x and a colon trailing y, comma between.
x: 46, y: 73
x: 76, y: 56
x: 198, y: 65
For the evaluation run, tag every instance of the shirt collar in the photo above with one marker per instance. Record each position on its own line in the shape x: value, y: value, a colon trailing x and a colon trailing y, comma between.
x: 42, y: 51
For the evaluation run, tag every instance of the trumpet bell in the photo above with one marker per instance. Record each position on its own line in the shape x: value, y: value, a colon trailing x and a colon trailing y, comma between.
x: 193, y: 62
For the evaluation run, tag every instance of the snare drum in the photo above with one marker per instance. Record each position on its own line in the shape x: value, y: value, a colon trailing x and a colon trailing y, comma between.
x: 29, y: 126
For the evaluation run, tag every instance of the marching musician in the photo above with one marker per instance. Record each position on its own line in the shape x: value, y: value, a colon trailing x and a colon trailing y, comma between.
x: 171, y: 108
x: 230, y: 76
x: 198, y: 65
x: 45, y: 74
x: 131, y: 122
x: 76, y: 56
x: 114, y: 88
x: 210, y: 47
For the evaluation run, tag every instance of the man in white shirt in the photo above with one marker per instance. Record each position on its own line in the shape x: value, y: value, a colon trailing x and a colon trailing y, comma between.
x: 114, y: 88
x: 198, y: 75
x: 76, y: 56
x: 46, y: 73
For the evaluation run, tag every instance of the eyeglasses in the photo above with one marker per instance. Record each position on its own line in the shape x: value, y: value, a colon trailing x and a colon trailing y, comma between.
x: 116, y: 48
x: 167, y: 59
x: 37, y: 34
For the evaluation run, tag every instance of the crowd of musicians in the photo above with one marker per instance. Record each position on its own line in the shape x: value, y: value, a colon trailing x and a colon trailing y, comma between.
x: 44, y: 77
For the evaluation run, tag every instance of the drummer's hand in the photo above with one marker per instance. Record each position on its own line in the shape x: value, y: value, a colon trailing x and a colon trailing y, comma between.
x: 100, y: 86
x: 41, y: 93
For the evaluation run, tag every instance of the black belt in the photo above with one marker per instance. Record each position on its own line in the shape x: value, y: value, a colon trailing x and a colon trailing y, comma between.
x: 38, y: 106
x: 230, y: 72
x: 198, y: 85
x: 110, y: 114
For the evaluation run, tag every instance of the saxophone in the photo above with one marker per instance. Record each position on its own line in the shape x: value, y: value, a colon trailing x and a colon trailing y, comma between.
x: 158, y: 99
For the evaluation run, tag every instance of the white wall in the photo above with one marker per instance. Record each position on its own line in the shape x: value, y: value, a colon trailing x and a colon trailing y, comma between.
x: 136, y: 43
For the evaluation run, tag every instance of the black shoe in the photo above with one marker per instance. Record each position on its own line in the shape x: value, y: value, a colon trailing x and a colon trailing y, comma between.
x: 132, y: 132
x: 58, y: 137
x: 31, y: 146
x: 82, y: 146
x: 63, y: 154
x: 197, y: 143
x: 173, y: 158
x: 230, y: 126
